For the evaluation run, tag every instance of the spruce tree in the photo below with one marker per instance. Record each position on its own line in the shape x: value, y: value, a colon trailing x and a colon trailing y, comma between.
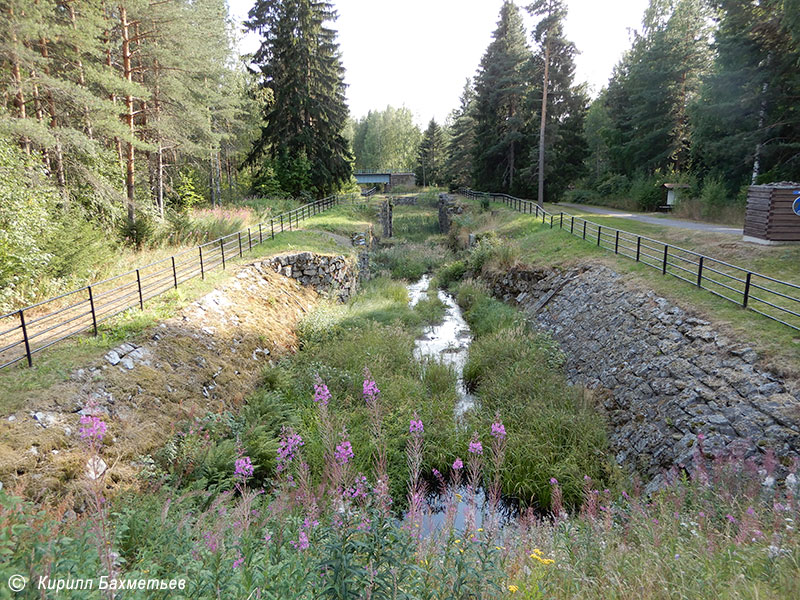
x: 653, y: 87
x: 500, y: 88
x: 305, y: 118
x: 747, y: 126
x: 431, y: 156
x: 461, y: 148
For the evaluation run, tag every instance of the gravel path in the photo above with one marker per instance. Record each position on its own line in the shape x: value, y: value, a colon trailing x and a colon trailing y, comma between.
x: 665, y: 221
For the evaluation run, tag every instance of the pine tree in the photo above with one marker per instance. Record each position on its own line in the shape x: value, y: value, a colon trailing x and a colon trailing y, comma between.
x: 300, y: 64
x: 431, y: 156
x: 500, y: 89
x: 461, y: 149
x: 557, y: 106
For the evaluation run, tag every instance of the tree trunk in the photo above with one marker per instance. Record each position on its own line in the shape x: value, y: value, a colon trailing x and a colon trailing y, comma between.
x: 19, y: 97
x: 81, y: 74
x: 543, y: 122
x: 59, y: 154
x: 762, y: 113
x: 130, y: 154
x: 112, y: 96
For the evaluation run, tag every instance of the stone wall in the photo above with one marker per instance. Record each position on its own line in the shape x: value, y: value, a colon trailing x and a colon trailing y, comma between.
x: 661, y: 375
x: 326, y: 274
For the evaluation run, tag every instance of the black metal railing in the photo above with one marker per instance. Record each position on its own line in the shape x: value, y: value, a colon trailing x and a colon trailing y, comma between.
x: 29, y: 330
x: 775, y: 299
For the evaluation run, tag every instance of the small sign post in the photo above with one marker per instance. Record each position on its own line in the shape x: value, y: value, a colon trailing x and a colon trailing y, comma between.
x: 796, y: 204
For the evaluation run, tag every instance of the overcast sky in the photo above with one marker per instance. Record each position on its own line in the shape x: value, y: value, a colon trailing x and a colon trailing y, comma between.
x: 418, y: 53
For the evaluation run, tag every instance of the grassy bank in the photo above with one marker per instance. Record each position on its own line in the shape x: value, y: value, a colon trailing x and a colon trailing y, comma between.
x: 528, y: 241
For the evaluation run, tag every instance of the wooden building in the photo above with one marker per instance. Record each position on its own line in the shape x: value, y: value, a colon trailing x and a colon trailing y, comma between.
x: 770, y: 218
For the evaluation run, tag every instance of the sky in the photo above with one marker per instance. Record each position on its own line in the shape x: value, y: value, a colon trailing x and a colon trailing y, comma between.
x: 419, y: 53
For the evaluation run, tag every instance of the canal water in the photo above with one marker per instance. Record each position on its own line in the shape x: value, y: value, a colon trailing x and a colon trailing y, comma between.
x: 448, y: 342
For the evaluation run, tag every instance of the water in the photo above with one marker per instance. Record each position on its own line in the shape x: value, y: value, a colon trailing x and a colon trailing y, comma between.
x: 447, y: 341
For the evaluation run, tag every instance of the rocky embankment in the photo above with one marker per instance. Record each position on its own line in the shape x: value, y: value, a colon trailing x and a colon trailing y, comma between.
x: 662, y: 376
x: 208, y: 358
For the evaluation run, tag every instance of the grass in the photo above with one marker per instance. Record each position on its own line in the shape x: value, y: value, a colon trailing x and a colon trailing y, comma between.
x: 55, y: 364
x: 537, y: 244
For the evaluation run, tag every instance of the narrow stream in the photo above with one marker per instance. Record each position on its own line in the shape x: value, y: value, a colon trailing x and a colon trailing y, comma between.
x: 448, y: 342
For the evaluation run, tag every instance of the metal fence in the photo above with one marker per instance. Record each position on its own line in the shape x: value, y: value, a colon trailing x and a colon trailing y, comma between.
x: 31, y: 329
x: 775, y: 299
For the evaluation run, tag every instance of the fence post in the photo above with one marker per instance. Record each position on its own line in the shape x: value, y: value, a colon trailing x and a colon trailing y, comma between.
x: 281, y: 223
x: 249, y: 241
x: 222, y: 249
x: 551, y: 221
x: 537, y: 212
x: 91, y: 305
x: 272, y: 228
x: 290, y: 221
x: 202, y: 269
x: 599, y: 230
x: 572, y: 225
x: 239, y: 236
x: 260, y: 235
x: 25, y: 337
x: 700, y: 272
x: 638, y: 247
x: 747, y: 289
x: 616, y: 243
x: 584, y: 229
x: 561, y: 224
x: 139, y: 283
x: 664, y: 266
x: 174, y: 274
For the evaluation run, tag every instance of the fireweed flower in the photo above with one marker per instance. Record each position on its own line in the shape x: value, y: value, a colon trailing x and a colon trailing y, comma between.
x: 370, y: 388
x: 302, y: 542
x: 287, y: 447
x: 243, y: 469
x: 475, y: 446
x: 238, y: 562
x: 93, y: 428
x: 344, y: 452
x: 553, y: 481
x: 416, y: 426
x: 321, y: 393
x: 458, y: 464
x: 498, y: 430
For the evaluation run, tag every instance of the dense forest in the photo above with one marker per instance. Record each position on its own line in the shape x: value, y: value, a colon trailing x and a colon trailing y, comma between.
x: 707, y: 95
x: 117, y: 118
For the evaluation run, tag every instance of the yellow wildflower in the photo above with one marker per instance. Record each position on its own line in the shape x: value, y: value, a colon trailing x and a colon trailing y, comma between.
x: 457, y: 542
x: 513, y: 589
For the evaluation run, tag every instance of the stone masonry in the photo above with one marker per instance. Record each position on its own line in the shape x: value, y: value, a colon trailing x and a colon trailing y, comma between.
x: 661, y: 375
x: 327, y: 274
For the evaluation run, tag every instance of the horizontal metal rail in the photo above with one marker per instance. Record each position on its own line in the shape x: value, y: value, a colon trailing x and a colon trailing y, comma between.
x: 29, y: 330
x: 705, y: 272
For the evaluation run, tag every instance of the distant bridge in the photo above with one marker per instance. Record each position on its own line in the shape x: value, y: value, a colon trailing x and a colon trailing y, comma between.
x: 389, y: 178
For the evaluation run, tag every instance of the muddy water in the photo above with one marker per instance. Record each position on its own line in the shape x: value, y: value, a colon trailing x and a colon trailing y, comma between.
x: 447, y: 341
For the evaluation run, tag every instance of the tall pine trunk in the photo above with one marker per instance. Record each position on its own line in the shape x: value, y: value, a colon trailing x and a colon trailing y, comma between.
x: 543, y: 122
x: 16, y: 73
x: 130, y: 187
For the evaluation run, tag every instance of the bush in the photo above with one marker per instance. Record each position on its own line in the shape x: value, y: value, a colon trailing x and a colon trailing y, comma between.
x: 27, y: 221
x: 647, y: 193
x: 580, y: 196
x: 451, y: 273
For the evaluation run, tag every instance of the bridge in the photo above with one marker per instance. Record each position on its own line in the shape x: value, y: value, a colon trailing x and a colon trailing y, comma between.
x: 387, y: 177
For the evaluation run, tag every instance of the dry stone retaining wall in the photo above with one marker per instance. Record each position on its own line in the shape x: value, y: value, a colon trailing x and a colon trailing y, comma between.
x: 661, y: 375
x: 326, y: 274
